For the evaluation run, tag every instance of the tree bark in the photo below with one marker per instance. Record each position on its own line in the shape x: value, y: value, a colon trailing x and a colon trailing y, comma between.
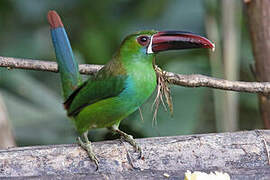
x: 259, y: 24
x: 243, y: 155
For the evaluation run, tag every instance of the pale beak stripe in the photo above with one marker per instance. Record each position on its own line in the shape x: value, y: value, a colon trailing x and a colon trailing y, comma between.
x: 149, y: 48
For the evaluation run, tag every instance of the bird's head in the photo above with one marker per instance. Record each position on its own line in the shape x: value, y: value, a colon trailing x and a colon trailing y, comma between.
x: 148, y: 43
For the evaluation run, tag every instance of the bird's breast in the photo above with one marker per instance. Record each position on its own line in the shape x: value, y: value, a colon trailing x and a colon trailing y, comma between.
x: 138, y: 87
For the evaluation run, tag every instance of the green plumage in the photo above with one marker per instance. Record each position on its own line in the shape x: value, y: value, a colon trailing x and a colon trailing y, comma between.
x: 117, y: 90
x: 121, y: 86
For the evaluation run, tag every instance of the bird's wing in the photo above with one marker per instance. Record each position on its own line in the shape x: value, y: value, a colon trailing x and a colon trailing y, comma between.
x: 94, y: 90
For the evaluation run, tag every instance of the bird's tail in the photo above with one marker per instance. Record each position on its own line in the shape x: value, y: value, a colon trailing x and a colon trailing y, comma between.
x: 68, y: 66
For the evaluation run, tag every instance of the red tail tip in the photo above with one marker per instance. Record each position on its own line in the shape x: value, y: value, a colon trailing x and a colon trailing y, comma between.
x: 54, y: 20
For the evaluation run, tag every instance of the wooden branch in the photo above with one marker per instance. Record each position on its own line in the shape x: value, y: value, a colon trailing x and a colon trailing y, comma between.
x: 259, y: 26
x: 195, y: 80
x: 38, y: 65
x: 243, y: 155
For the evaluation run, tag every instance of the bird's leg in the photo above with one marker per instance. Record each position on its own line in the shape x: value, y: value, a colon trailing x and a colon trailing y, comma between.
x: 87, y: 146
x: 127, y: 138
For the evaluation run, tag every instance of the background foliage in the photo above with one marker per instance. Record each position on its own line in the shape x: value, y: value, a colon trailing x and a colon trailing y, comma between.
x: 96, y: 28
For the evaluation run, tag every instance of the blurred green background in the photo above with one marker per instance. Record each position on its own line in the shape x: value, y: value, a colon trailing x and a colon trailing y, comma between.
x: 96, y: 29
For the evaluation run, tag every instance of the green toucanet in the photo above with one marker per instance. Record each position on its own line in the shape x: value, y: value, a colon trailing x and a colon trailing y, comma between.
x: 121, y: 86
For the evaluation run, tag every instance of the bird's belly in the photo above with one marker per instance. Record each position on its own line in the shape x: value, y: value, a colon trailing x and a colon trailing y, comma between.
x: 111, y: 111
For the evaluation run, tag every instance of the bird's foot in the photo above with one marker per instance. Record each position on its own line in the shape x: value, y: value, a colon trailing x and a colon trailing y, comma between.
x: 88, y: 148
x: 129, y: 139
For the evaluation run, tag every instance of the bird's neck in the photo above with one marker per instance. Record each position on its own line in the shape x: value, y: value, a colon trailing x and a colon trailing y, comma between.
x: 141, y: 80
x: 134, y: 62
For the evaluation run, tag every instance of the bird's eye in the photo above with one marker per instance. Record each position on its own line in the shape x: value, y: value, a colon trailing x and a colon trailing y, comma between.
x: 143, y: 40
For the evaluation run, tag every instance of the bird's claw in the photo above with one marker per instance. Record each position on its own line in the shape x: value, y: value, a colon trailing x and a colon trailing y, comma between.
x: 88, y: 148
x: 139, y: 149
x: 129, y: 139
x: 133, y: 143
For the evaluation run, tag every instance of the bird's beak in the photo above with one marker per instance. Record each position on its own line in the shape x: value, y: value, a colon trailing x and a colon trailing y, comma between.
x: 173, y: 40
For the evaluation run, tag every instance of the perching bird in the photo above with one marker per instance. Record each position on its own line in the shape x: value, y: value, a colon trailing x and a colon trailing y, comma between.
x: 121, y: 86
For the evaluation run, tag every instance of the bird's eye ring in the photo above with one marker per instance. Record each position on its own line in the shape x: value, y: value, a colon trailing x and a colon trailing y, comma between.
x: 143, y: 40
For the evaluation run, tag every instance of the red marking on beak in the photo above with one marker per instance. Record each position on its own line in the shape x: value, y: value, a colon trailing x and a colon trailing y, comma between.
x: 174, y: 40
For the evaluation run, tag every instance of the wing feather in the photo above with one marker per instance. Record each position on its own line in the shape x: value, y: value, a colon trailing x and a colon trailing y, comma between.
x: 94, y: 90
